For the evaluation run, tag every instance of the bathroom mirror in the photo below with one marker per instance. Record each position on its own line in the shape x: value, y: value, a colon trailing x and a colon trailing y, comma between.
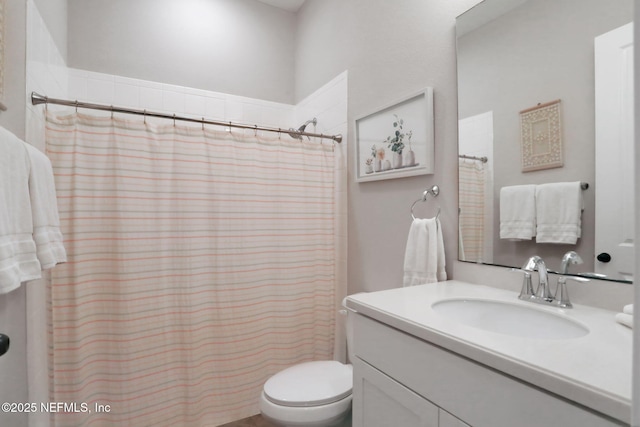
x: 515, y: 56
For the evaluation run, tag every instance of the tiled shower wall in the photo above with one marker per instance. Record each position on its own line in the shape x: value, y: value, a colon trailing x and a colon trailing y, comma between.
x: 46, y: 73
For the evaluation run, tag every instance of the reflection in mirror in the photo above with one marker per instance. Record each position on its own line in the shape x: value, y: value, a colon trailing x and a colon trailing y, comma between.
x: 516, y: 58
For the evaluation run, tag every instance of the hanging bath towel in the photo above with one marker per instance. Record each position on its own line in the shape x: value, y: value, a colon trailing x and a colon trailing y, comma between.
x: 46, y: 221
x: 558, y: 211
x: 18, y: 261
x: 518, y: 212
x: 424, y: 260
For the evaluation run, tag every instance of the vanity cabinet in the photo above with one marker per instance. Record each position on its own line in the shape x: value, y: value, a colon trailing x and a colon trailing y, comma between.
x: 404, y: 381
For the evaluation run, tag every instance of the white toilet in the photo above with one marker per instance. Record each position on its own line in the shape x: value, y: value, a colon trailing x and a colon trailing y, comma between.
x: 311, y: 394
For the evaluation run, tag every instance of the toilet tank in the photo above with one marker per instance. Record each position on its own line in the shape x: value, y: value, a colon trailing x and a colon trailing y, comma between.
x: 348, y: 313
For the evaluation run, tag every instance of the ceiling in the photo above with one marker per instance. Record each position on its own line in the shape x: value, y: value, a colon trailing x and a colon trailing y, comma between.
x: 290, y: 5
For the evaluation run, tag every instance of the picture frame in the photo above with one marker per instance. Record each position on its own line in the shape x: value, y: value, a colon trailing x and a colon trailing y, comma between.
x: 541, y: 137
x: 397, y: 140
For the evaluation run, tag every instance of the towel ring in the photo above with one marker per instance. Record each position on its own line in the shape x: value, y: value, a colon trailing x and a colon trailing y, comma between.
x: 433, y: 191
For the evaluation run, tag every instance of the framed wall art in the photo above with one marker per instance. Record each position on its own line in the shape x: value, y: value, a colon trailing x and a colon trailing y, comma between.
x: 396, y: 141
x: 541, y: 129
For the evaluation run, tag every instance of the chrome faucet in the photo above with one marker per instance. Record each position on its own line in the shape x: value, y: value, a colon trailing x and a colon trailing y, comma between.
x: 543, y: 293
x: 562, y: 294
x: 570, y: 257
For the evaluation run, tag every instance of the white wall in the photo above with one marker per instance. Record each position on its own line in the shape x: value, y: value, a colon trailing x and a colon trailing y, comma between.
x: 161, y: 97
x: 240, y: 47
x: 15, y: 21
x: 390, y: 50
x: 54, y: 13
x: 13, y: 367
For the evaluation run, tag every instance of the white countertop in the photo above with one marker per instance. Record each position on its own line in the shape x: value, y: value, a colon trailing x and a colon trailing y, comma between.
x: 593, y: 370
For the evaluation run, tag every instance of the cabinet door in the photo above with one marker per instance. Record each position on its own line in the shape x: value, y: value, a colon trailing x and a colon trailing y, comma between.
x: 448, y: 420
x: 379, y: 401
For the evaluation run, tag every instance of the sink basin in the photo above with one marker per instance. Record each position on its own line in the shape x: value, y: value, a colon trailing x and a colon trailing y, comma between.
x: 510, y: 319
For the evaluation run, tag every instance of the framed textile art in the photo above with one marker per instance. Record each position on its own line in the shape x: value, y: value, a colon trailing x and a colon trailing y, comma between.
x: 541, y: 137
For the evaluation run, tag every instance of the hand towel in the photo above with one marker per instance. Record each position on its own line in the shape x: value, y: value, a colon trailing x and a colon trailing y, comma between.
x: 517, y: 212
x: 44, y: 207
x: 424, y: 259
x: 558, y: 212
x: 625, y: 319
x: 18, y: 261
x: 628, y: 309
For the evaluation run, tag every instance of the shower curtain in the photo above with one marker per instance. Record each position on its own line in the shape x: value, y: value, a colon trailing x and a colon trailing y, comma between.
x: 471, y: 176
x: 200, y: 263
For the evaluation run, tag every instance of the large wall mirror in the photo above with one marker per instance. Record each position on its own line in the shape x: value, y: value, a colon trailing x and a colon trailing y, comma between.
x: 548, y: 84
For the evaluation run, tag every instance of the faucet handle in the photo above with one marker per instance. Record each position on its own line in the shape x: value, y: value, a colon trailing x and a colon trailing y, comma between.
x: 570, y: 257
x: 562, y: 294
x: 526, y: 292
x: 530, y: 264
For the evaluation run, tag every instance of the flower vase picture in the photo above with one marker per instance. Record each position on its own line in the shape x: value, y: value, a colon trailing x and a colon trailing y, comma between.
x: 369, y: 166
x: 396, y: 141
x: 397, y: 160
x: 409, y: 158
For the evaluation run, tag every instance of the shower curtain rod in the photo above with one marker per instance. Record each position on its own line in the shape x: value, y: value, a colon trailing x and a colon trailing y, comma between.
x: 483, y: 159
x: 37, y: 99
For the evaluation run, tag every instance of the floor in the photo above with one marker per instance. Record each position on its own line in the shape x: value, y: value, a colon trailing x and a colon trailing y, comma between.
x: 255, y: 421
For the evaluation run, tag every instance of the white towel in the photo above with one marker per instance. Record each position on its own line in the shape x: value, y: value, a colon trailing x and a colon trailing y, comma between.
x: 628, y: 309
x: 18, y: 261
x: 44, y: 207
x: 558, y: 212
x: 424, y: 260
x: 625, y: 319
x: 518, y: 212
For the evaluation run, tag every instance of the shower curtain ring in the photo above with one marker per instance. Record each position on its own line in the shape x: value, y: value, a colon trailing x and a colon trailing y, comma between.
x: 255, y: 130
x: 174, y: 119
x: 279, y: 133
x: 144, y: 116
x: 111, y: 107
x: 203, y: 123
x: 229, y: 126
x: 76, y: 106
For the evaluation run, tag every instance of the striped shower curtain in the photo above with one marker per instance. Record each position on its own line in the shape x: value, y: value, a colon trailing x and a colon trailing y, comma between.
x: 200, y: 263
x: 471, y: 178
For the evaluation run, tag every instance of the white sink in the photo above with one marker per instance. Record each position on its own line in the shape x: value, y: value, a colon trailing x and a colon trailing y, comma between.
x: 510, y: 319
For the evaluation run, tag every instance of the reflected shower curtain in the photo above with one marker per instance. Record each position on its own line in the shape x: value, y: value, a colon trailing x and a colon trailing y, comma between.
x: 471, y: 176
x: 200, y: 263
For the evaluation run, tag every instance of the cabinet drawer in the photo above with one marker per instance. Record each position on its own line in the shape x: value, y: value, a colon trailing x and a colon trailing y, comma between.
x: 474, y: 393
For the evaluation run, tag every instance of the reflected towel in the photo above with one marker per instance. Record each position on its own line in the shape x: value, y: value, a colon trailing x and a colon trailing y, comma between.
x: 518, y: 212
x: 18, y: 261
x: 558, y: 212
x: 44, y: 207
x: 625, y: 319
x: 424, y: 258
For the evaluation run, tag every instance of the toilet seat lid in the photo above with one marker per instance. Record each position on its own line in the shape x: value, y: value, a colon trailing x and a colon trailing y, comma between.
x: 310, y: 384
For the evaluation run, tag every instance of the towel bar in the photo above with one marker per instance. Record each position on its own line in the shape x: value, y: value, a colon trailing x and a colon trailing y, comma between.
x: 433, y: 191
